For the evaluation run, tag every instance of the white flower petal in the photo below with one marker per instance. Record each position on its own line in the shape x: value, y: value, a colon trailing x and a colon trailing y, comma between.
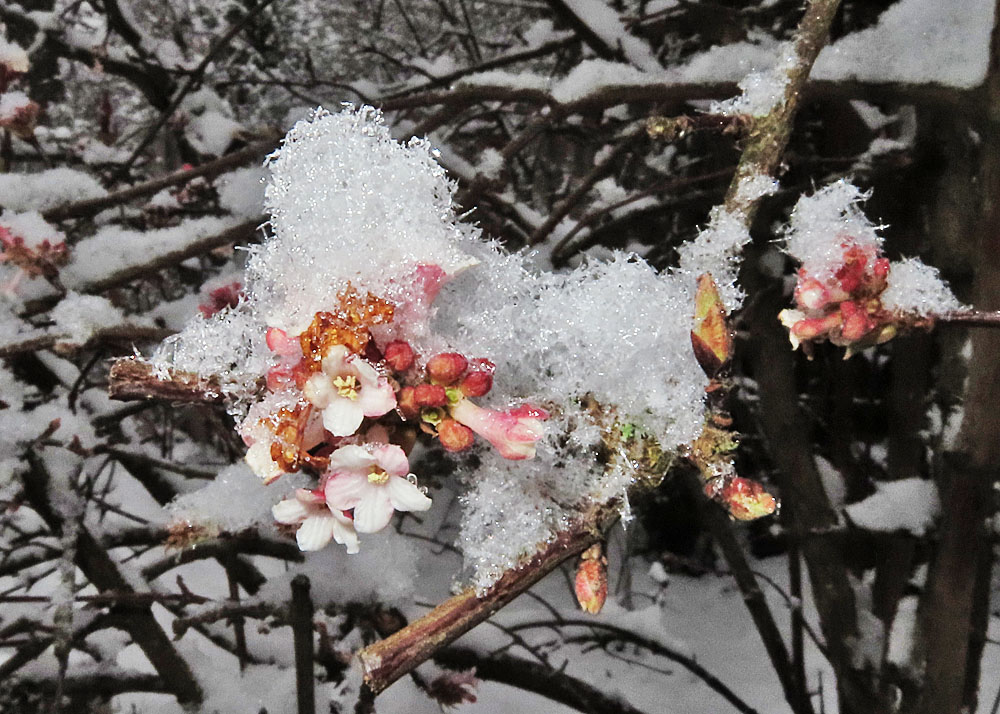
x: 259, y: 460
x: 351, y: 458
x: 377, y: 398
x: 374, y: 512
x: 391, y: 459
x: 319, y: 391
x: 335, y: 361
x: 405, y: 496
x: 290, y: 510
x: 343, y: 417
x: 315, y: 532
x: 362, y: 370
x: 344, y: 533
x: 346, y: 490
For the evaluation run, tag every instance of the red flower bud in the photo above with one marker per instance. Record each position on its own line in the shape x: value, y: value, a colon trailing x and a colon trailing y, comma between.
x: 430, y: 395
x: 476, y: 384
x: 406, y: 403
x: 399, y: 355
x: 454, y: 436
x: 446, y: 367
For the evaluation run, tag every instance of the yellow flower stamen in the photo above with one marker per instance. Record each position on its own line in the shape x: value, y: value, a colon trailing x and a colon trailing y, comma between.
x: 347, y: 386
x: 378, y: 478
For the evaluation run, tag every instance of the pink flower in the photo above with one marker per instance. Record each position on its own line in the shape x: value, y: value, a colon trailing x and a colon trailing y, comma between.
x: 513, y: 433
x: 348, y: 390
x: 372, y: 479
x: 317, y: 522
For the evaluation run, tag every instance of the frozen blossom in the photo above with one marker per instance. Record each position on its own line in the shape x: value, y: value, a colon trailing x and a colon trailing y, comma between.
x: 847, y: 292
x: 370, y: 295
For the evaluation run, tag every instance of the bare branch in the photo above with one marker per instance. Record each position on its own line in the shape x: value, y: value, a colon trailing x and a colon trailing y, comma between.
x: 387, y: 660
x: 208, y: 170
x: 135, y: 379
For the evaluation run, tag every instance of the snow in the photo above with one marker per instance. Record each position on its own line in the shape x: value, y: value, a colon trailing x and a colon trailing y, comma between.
x: 210, y: 127
x: 917, y: 288
x: 918, y: 41
x: 77, y: 317
x: 602, y: 20
x: 13, y: 56
x: 47, y: 189
x: 31, y: 228
x: 822, y: 222
x: 234, y: 500
x: 241, y: 192
x: 114, y: 248
x: 592, y: 75
x: 903, y: 632
x: 11, y: 103
x: 909, y: 504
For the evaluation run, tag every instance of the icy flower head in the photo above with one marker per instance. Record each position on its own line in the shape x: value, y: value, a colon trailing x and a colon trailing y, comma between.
x: 372, y: 479
x: 317, y: 523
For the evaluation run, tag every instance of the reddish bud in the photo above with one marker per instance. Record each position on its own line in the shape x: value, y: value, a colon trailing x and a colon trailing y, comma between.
x: 454, y: 436
x: 747, y: 500
x: 446, y: 367
x: 406, y: 403
x: 430, y: 395
x: 591, y: 584
x: 399, y: 355
x: 476, y: 384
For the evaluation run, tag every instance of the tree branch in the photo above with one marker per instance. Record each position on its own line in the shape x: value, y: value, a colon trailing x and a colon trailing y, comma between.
x: 209, y: 170
x: 535, y: 677
x: 133, y: 378
x: 387, y: 660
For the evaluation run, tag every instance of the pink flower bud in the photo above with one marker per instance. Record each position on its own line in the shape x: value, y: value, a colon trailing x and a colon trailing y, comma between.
x: 399, y: 355
x: 513, y: 433
x: 446, y: 367
x: 280, y: 343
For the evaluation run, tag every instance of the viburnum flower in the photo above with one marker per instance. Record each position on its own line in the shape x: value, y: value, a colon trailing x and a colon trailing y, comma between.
x: 372, y: 479
x: 348, y: 389
x: 317, y: 522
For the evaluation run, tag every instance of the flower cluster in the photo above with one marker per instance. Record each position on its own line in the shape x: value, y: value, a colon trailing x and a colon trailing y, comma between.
x: 341, y: 406
x: 846, y: 307
x: 38, y: 258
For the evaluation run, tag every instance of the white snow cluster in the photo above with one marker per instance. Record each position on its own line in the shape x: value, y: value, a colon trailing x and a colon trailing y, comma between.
x: 349, y: 205
x: 822, y: 222
x: 78, y: 317
x: 910, y: 504
x: 47, y: 189
x: 31, y: 227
